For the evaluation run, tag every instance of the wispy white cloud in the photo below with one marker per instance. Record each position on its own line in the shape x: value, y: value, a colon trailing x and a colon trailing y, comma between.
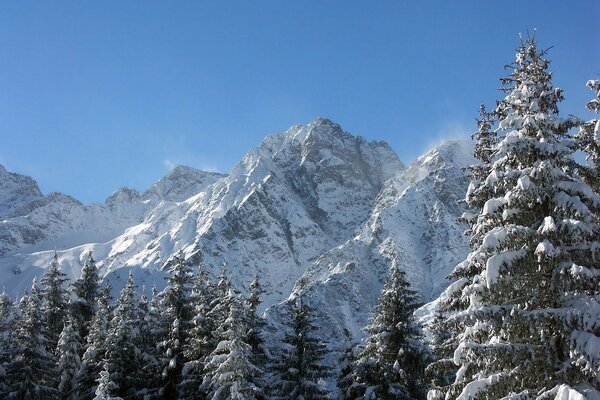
x: 169, y: 164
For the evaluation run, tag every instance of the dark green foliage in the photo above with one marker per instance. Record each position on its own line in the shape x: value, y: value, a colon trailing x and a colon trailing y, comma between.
x: 55, y: 300
x: 32, y: 372
x: 392, y: 363
x: 95, y: 348
x: 177, y: 317
x: 301, y: 367
x: 85, y: 291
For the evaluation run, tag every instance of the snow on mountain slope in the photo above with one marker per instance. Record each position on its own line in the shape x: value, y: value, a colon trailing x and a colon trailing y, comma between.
x: 34, y: 222
x: 413, y: 224
x: 294, y: 197
x: 17, y: 192
x: 313, y: 210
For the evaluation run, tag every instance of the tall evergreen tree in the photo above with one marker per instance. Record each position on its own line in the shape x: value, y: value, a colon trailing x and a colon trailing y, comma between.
x: 201, y: 337
x: 588, y: 140
x: 255, y: 324
x: 69, y: 362
x: 9, y: 318
x: 151, y: 332
x: 301, y: 368
x: 123, y: 358
x: 85, y: 291
x: 229, y: 372
x: 523, y: 293
x: 96, y: 346
x: 346, y: 380
x: 106, y: 387
x: 178, y: 316
x: 54, y: 301
x: 31, y: 374
x: 392, y: 363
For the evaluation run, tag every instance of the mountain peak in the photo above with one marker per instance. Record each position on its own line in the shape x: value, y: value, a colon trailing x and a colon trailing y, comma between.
x: 181, y: 183
x: 459, y: 152
x: 18, y: 191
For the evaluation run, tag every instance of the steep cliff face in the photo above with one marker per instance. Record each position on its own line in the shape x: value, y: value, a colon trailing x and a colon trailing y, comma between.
x: 413, y: 224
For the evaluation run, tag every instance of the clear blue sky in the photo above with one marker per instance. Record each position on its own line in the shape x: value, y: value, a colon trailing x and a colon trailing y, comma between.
x: 97, y: 95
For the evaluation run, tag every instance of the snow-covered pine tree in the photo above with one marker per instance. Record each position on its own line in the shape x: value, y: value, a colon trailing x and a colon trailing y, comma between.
x: 392, y: 363
x: 69, y: 362
x: 346, y: 379
x: 85, y: 291
x: 32, y: 372
x: 301, y: 367
x: 524, y: 291
x: 255, y: 324
x: 229, y: 372
x: 588, y: 139
x: 9, y: 318
x: 123, y: 358
x: 55, y: 301
x: 200, y: 342
x: 177, y: 317
x: 151, y: 332
x: 442, y: 370
x: 95, y: 348
x: 106, y: 387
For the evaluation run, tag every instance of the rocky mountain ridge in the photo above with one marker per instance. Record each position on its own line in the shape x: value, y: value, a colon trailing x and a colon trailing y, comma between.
x: 313, y: 210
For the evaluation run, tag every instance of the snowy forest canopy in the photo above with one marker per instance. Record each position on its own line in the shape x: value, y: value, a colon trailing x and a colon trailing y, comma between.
x: 520, y: 320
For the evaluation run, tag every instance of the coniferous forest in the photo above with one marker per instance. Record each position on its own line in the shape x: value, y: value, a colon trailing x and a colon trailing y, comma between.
x: 519, y: 320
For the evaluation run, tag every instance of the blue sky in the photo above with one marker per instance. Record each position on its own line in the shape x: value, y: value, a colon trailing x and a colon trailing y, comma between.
x: 97, y: 95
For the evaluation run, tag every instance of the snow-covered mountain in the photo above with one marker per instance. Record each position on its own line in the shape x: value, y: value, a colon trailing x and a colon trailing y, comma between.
x: 313, y: 210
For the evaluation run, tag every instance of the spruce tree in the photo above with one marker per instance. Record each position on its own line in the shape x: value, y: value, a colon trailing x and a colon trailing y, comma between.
x: 346, y: 380
x: 148, y: 321
x: 9, y: 318
x: 106, y: 386
x: 32, y: 372
x: 175, y: 301
x: 123, y: 358
x: 85, y: 291
x: 255, y: 323
x: 69, y: 362
x: 392, y: 363
x: 96, y: 346
x: 588, y: 140
x: 54, y: 301
x: 301, y: 368
x: 201, y: 337
x: 229, y: 372
x: 523, y: 293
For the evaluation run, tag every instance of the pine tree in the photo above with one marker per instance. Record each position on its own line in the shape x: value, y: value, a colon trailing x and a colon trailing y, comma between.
x: 523, y: 293
x: 31, y: 374
x: 588, y: 140
x: 346, y: 380
x: 255, y: 324
x: 201, y: 337
x: 229, y: 372
x: 392, y: 363
x: 54, y: 301
x: 123, y: 358
x: 85, y: 292
x: 9, y: 318
x: 69, y: 362
x: 96, y: 346
x: 301, y: 368
x: 441, y: 372
x: 177, y: 315
x: 106, y: 387
x: 148, y: 321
